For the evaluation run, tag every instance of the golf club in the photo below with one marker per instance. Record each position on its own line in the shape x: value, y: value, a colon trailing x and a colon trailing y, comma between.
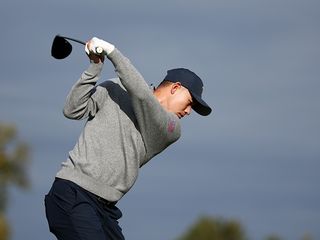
x: 61, y: 48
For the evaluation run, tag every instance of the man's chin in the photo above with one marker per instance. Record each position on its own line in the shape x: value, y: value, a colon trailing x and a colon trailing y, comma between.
x: 179, y: 115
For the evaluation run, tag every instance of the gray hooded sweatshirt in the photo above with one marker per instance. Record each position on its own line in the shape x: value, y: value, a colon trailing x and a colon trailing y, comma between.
x: 126, y: 126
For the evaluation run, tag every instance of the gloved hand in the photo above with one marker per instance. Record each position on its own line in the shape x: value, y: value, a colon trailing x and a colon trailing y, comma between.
x: 99, y: 46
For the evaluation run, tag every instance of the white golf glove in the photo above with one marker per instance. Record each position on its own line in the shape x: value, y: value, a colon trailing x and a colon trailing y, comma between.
x: 99, y: 46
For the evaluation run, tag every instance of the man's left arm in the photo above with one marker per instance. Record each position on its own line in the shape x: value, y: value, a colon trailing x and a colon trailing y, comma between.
x: 129, y: 76
x: 158, y: 127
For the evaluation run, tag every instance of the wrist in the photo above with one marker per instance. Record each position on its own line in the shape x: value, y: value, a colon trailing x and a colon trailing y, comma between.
x: 95, y: 68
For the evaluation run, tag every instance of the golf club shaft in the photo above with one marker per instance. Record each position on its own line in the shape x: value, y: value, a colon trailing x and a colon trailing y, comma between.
x: 99, y: 50
x: 75, y: 40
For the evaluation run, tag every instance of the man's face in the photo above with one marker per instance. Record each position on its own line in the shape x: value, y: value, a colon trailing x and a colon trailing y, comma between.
x: 179, y: 100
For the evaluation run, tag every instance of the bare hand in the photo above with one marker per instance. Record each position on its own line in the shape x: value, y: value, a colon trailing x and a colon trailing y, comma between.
x: 96, y: 58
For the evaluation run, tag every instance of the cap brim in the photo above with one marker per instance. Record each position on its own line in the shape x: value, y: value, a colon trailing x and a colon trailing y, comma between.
x: 200, y: 106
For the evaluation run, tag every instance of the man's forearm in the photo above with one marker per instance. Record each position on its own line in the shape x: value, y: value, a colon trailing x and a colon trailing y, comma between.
x: 129, y: 76
x: 79, y: 103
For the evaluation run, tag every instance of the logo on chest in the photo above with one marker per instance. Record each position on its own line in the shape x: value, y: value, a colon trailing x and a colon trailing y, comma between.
x: 171, y: 126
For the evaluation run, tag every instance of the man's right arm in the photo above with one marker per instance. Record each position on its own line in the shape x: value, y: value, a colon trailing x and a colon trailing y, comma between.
x: 84, y: 99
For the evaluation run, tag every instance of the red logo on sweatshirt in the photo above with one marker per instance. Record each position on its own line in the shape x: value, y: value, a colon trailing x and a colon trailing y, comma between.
x: 171, y: 126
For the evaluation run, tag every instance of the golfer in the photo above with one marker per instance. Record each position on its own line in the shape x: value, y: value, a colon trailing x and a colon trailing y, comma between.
x: 127, y: 124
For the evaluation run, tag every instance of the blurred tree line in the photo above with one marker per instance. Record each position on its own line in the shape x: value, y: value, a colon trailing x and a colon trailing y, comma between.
x: 216, y: 229
x: 209, y: 228
x: 14, y: 156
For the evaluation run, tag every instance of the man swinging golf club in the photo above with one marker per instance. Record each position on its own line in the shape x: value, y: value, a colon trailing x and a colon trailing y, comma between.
x: 127, y: 124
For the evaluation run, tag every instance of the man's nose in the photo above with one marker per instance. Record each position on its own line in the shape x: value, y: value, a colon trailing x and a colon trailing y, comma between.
x: 188, y: 110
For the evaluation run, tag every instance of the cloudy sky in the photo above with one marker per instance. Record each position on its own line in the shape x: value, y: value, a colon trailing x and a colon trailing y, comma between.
x: 255, y: 159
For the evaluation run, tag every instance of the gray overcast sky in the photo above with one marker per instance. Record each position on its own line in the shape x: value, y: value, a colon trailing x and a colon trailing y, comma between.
x: 255, y: 159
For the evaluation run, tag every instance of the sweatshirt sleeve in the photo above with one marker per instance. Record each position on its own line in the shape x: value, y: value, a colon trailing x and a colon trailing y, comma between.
x: 159, y: 128
x: 129, y: 76
x: 84, y: 98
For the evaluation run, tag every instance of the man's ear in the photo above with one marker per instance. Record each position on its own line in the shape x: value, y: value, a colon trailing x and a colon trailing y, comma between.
x: 175, y: 87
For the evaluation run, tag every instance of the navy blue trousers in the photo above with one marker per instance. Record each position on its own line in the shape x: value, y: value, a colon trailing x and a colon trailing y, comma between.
x: 76, y: 214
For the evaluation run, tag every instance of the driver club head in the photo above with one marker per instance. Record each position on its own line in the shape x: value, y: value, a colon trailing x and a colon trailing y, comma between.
x: 61, y: 48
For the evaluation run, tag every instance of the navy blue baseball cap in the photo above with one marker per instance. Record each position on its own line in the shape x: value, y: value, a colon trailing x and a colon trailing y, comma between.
x: 194, y: 84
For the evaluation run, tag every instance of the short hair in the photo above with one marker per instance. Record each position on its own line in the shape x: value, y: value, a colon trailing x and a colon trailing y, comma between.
x: 164, y: 83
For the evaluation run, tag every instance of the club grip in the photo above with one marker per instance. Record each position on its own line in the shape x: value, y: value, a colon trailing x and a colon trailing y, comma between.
x: 99, y: 50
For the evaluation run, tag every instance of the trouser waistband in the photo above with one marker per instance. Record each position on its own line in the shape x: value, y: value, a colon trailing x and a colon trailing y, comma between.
x: 98, y: 198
